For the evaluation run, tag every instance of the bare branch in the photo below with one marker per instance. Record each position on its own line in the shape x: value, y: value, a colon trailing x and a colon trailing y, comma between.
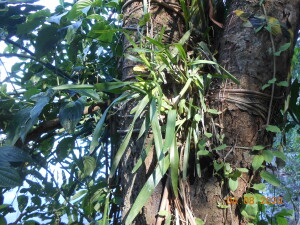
x: 53, y: 124
x: 7, y: 40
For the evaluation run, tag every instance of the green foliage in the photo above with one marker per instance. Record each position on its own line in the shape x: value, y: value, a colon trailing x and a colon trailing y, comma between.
x: 65, y: 95
x: 58, y: 80
x: 71, y: 113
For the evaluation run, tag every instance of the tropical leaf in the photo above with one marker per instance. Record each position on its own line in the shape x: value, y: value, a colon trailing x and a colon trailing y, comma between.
x: 143, y: 156
x: 70, y: 114
x: 46, y: 40
x: 257, y: 161
x: 22, y: 202
x: 140, y: 108
x: 174, y: 166
x: 89, y: 165
x: 9, y: 177
x: 99, y: 126
x: 112, y: 86
x: 33, y: 21
x: 186, y: 154
x: 64, y: 147
x: 270, y: 178
x: 13, y: 154
x: 25, y: 119
x: 147, y: 190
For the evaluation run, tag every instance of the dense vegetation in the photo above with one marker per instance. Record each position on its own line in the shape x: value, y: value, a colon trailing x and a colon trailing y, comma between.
x: 59, y: 100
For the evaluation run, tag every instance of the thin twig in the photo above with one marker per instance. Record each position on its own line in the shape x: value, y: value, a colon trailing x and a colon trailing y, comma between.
x: 19, y: 218
x: 7, y: 40
x: 49, y: 66
x: 66, y: 199
x: 274, y: 68
x: 8, y: 77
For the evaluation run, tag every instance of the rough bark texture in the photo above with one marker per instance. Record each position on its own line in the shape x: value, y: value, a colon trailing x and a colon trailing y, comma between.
x: 246, y: 55
x: 171, y: 20
x: 245, y: 107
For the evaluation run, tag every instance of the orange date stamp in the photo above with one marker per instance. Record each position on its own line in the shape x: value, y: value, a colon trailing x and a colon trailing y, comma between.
x: 253, y: 200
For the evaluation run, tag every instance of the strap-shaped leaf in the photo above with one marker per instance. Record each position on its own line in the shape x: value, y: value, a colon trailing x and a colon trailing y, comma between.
x: 99, y: 126
x: 170, y: 130
x: 158, y: 141
x: 89, y: 93
x: 73, y: 86
x: 112, y: 86
x: 145, y: 126
x: 70, y: 115
x: 143, y: 156
x: 147, y: 190
x: 186, y: 154
x: 141, y: 106
x: 174, y: 166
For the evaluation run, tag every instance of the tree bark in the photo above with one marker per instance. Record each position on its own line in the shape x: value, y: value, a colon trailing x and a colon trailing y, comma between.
x: 245, y: 107
x: 169, y: 17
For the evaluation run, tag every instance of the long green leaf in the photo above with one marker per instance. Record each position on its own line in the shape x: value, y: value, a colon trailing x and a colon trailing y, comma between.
x: 111, y: 86
x: 141, y: 54
x: 197, y: 62
x: 170, y: 130
x: 98, y: 129
x: 186, y: 12
x: 73, y: 86
x: 185, y: 87
x: 228, y: 75
x: 143, y: 156
x: 156, y: 43
x: 121, y: 150
x: 145, y: 127
x: 106, y: 208
x: 142, y: 104
x: 174, y: 166
x: 186, y: 36
x: 181, y: 51
x: 186, y: 154
x: 147, y: 190
x: 157, y: 136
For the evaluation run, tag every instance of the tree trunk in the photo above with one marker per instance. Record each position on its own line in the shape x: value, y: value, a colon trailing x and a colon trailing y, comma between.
x: 245, y: 107
x: 167, y: 16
